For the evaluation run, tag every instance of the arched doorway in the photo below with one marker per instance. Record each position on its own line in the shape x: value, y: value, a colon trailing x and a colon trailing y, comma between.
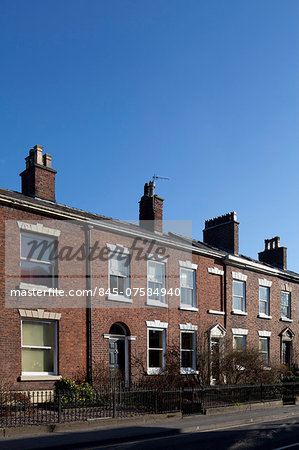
x: 217, y: 336
x: 118, y: 352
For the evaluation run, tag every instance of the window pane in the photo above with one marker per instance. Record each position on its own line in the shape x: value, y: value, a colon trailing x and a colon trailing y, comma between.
x: 187, y: 278
x: 156, y: 291
x: 37, y: 273
x: 187, y: 359
x: 239, y: 288
x: 113, y: 283
x: 121, y: 285
x: 37, y: 360
x: 264, y: 293
x: 155, y: 358
x: 263, y: 307
x: 42, y: 247
x: 155, y: 339
x: 156, y: 272
x: 187, y: 341
x: 263, y: 345
x: 239, y: 342
x: 38, y: 334
x: 119, y: 265
x: 187, y: 296
x: 238, y: 303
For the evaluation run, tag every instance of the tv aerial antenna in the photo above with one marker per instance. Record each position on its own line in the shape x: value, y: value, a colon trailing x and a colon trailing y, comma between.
x: 157, y: 177
x: 153, y: 183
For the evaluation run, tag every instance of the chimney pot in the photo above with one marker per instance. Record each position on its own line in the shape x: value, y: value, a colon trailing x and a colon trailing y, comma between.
x: 47, y: 160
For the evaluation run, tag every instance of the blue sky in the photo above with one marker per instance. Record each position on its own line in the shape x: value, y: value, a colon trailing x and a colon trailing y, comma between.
x: 204, y: 92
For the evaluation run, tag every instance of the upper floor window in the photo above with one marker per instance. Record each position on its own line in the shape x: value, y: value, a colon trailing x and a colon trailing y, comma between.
x: 264, y: 300
x: 188, y: 297
x: 156, y: 281
x: 286, y: 304
x: 38, y: 262
x: 239, y: 289
x: 39, y: 347
x: 119, y: 273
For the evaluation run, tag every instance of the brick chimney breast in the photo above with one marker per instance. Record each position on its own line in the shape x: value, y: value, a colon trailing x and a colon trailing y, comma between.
x: 223, y: 232
x: 274, y: 254
x: 38, y: 179
x: 151, y: 209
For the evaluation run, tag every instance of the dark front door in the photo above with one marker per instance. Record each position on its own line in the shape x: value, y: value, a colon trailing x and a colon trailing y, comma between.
x: 117, y: 357
x: 286, y: 353
x: 215, y: 359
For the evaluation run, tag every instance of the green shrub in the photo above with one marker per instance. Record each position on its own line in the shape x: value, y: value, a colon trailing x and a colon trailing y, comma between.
x: 72, y: 394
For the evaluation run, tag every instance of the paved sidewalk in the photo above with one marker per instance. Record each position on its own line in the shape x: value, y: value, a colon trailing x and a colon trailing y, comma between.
x: 97, y: 435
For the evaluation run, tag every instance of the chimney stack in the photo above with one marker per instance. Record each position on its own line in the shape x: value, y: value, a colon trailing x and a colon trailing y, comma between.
x: 151, y: 209
x: 274, y: 254
x: 223, y: 232
x: 38, y: 179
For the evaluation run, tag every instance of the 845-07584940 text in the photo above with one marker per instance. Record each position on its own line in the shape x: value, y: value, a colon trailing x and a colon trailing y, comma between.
x: 140, y: 291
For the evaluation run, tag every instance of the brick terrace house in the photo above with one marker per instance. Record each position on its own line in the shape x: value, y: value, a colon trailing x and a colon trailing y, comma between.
x: 120, y: 305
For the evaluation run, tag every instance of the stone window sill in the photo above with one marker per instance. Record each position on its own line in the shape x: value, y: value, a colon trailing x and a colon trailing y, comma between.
x: 119, y: 298
x: 213, y: 311
x: 239, y: 313
x: 156, y: 303
x: 188, y: 308
x: 188, y: 371
x: 154, y: 371
x: 264, y: 316
x: 36, y: 287
x: 40, y: 377
x: 286, y: 319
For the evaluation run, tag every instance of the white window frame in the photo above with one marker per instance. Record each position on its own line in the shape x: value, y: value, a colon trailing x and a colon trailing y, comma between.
x: 267, y: 339
x: 244, y: 337
x: 37, y: 374
x: 54, y: 264
x: 243, y: 310
x: 188, y: 370
x: 156, y: 370
x: 262, y: 301
x: 186, y: 305
x: 289, y: 306
x: 154, y: 302
x: 115, y: 250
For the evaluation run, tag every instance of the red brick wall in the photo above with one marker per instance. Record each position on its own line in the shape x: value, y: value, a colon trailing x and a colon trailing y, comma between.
x: 254, y: 323
x: 213, y: 292
x: 39, y: 182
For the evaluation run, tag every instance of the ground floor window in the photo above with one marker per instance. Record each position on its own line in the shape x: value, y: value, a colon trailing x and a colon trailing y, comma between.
x: 156, y: 350
x: 239, y: 342
x: 188, y: 351
x: 264, y: 348
x: 39, y: 347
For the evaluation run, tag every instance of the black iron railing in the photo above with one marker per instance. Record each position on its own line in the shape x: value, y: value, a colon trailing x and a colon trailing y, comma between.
x: 31, y: 408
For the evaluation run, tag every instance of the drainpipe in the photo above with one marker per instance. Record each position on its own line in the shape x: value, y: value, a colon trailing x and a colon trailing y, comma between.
x: 224, y: 295
x: 88, y: 302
